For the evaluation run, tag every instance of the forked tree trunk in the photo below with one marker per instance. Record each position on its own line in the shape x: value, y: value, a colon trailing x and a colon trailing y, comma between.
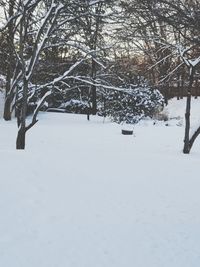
x: 194, y: 136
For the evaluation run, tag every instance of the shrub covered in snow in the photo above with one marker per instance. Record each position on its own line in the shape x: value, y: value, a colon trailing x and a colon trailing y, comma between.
x: 75, y: 106
x: 131, y: 105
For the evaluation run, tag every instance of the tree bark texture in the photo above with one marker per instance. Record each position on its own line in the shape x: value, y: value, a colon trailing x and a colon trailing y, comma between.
x: 187, y: 147
x: 21, y: 138
x: 10, y: 40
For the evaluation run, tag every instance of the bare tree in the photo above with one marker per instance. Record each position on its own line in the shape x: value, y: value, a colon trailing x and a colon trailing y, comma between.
x: 38, y: 21
x: 173, y: 28
x: 94, y: 24
x: 9, y: 33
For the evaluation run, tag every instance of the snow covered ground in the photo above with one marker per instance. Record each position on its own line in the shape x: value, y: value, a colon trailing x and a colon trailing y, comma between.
x: 83, y: 195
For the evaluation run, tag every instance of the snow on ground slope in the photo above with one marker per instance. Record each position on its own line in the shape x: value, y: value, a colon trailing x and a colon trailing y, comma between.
x: 83, y: 195
x: 176, y: 109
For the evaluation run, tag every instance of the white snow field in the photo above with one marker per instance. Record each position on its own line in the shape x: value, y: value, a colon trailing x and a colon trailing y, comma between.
x: 83, y: 195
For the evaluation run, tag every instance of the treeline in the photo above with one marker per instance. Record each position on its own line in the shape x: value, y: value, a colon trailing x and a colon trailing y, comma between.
x: 97, y: 52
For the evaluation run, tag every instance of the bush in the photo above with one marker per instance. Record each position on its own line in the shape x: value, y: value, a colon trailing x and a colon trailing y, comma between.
x: 75, y: 106
x: 131, y: 105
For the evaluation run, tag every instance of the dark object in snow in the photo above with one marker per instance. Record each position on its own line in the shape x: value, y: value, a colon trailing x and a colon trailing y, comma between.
x: 57, y: 110
x: 127, y: 132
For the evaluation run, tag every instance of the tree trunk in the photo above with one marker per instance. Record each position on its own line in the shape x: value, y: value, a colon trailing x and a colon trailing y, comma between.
x: 94, y: 89
x: 194, y: 136
x: 187, y: 147
x: 20, y: 143
x: 7, y: 109
x: 21, y: 138
x: 94, y: 100
x: 166, y: 94
x: 10, y: 40
x: 98, y: 12
x: 196, y: 88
